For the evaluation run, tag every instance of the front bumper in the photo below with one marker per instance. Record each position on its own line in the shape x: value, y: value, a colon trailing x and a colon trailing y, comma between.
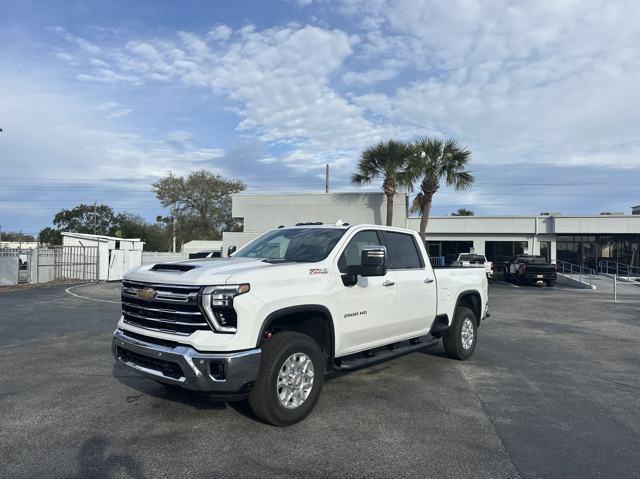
x: 224, y: 373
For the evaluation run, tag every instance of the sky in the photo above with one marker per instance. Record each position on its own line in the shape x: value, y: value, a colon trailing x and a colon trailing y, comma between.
x: 100, y: 99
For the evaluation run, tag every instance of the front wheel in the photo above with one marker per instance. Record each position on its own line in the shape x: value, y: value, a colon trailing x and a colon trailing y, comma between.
x: 289, y: 380
x: 460, y: 340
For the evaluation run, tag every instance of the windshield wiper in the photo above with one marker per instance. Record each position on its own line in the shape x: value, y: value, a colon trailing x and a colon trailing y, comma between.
x: 276, y: 260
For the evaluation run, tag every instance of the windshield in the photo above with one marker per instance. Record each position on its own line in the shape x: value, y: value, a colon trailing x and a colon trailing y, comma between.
x: 472, y: 258
x: 304, y: 245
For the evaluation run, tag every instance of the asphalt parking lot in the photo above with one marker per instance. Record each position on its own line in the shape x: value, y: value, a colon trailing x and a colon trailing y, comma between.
x: 553, y: 390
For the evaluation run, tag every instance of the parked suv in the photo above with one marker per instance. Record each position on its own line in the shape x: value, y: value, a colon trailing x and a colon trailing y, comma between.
x: 295, y: 303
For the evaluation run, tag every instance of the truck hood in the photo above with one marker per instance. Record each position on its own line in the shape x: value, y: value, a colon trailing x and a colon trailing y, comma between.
x: 197, y: 271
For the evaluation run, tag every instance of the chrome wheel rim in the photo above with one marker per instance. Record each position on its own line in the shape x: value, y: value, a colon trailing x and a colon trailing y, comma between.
x: 295, y: 380
x: 467, y: 333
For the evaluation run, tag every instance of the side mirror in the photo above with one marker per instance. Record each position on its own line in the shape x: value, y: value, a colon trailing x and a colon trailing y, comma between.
x: 373, y: 262
x: 231, y: 250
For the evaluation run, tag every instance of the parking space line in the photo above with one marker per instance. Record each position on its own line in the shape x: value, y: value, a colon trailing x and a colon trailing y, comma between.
x: 512, y: 285
x: 86, y: 297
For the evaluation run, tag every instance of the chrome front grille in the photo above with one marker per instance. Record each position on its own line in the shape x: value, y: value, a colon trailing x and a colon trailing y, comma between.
x: 166, y: 308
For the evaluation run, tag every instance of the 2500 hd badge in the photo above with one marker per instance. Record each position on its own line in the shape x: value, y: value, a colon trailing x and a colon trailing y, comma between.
x: 351, y: 315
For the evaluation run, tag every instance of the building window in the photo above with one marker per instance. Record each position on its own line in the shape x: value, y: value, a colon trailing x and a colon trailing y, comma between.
x: 499, y: 252
x: 448, y: 249
x: 592, y: 250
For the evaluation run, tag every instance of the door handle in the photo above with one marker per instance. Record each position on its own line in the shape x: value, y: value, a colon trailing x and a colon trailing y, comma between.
x: 428, y: 280
x: 388, y: 283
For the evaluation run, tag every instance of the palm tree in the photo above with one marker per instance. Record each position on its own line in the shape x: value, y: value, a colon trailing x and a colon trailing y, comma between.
x: 462, y: 212
x: 434, y: 161
x: 387, y: 160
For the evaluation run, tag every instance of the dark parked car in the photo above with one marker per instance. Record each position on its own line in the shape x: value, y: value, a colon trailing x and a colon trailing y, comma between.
x: 529, y: 269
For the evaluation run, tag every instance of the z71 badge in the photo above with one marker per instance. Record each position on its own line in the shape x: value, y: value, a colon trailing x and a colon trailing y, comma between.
x: 318, y: 271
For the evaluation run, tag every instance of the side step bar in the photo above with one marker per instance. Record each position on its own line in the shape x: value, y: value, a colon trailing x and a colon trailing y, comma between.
x: 384, y: 353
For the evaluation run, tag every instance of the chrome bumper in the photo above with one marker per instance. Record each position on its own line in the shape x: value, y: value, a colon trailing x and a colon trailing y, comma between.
x: 225, y: 373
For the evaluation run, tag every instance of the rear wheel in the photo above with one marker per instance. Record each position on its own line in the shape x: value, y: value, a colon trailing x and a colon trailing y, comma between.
x: 460, y: 340
x: 289, y: 380
x: 550, y: 284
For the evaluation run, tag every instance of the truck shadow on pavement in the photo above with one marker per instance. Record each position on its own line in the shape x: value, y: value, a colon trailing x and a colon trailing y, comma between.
x: 200, y: 401
x: 94, y: 461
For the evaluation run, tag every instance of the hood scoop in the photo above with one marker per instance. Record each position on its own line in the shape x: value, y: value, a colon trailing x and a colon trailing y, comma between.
x: 173, y: 267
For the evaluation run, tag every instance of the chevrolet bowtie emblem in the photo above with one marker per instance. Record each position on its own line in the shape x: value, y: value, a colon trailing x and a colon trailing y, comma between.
x: 147, y: 294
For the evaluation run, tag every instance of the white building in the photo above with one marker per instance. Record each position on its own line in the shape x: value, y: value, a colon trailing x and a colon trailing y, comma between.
x: 116, y: 255
x: 586, y: 240
x: 197, y: 246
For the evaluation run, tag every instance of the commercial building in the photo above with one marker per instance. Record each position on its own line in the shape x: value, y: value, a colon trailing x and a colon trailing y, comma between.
x: 197, y: 246
x: 585, y: 240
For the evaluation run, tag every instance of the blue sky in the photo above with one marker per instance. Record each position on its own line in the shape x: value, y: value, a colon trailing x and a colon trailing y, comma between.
x: 99, y: 99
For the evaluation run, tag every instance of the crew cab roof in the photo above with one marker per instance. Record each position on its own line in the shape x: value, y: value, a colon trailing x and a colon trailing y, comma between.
x: 345, y: 226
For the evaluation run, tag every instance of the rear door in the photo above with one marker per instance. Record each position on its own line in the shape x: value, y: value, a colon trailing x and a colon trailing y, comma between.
x: 416, y: 287
x: 366, y: 310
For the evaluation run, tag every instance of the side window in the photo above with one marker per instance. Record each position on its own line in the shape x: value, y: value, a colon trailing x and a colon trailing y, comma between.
x: 353, y: 252
x: 402, y: 251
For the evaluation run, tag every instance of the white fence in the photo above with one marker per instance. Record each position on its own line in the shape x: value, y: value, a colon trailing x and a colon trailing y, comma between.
x: 45, y: 264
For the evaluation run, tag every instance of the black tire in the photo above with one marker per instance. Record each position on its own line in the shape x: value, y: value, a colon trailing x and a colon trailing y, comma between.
x: 263, y: 397
x: 452, y: 340
x: 507, y: 275
x: 551, y: 284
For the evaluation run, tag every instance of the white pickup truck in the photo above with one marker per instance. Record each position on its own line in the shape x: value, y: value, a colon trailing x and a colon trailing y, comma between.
x: 472, y: 260
x: 291, y: 306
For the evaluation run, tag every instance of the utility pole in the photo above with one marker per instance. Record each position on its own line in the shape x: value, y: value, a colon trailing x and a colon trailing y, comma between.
x: 173, y: 221
x: 95, y: 216
x: 326, y: 179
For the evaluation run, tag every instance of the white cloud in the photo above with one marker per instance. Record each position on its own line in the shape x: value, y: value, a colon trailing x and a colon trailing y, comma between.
x: 54, y: 133
x: 280, y: 78
x: 118, y: 113
x: 220, y: 33
x: 81, y: 42
x: 65, y: 57
x: 110, y: 105
x: 369, y: 77
x: 535, y: 81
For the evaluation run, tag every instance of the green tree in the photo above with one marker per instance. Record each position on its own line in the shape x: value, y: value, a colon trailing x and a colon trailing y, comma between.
x: 387, y: 160
x: 50, y: 236
x: 156, y: 236
x: 432, y: 162
x: 15, y: 236
x: 99, y: 219
x: 462, y: 212
x: 200, y: 202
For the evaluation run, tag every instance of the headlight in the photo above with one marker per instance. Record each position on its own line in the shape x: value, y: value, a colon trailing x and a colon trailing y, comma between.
x: 217, y: 302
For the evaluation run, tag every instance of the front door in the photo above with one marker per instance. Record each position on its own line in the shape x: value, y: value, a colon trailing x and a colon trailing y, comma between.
x: 366, y: 308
